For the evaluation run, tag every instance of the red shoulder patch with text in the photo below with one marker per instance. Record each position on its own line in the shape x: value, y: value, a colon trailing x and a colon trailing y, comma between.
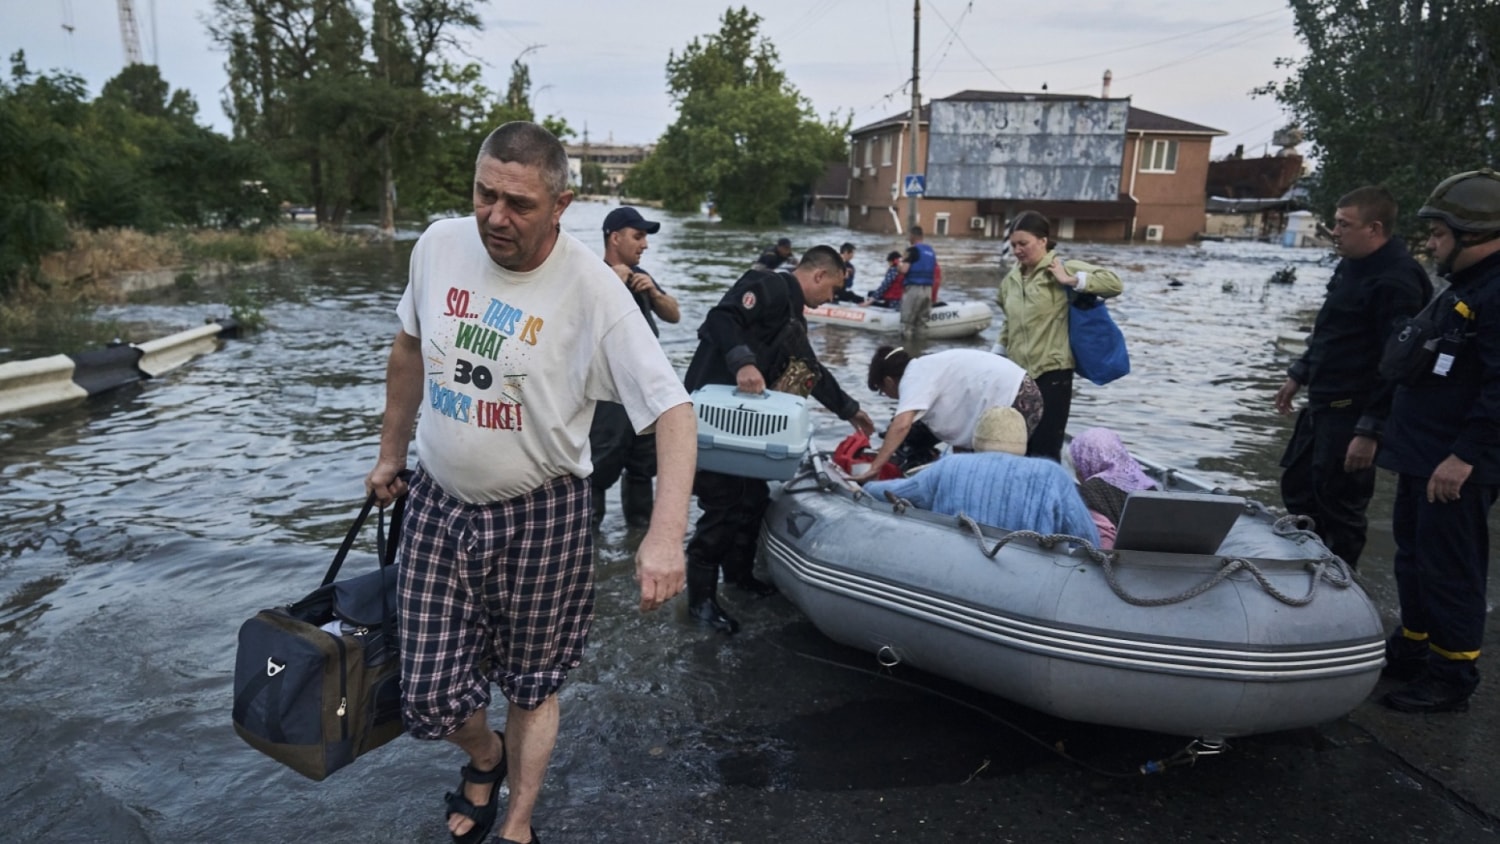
x: 747, y: 301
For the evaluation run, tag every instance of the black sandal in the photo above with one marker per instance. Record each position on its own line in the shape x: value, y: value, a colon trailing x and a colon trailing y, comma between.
x: 482, y: 816
x: 535, y: 839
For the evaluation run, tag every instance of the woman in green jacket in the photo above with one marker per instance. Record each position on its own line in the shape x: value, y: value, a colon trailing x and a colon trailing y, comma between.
x: 1034, y: 299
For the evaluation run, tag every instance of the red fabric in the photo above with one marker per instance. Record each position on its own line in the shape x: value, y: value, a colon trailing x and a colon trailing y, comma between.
x: 893, y: 293
x: 937, y: 281
x: 854, y: 452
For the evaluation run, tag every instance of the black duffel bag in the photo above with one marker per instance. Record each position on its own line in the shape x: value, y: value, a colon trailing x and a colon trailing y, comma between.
x: 317, y: 683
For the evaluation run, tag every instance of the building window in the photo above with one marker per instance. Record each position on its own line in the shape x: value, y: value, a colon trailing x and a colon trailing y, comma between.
x: 869, y: 151
x: 1161, y: 158
x: 940, y: 222
x: 885, y: 149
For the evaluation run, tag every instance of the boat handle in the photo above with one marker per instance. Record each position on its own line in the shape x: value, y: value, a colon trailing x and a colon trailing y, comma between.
x: 797, y: 523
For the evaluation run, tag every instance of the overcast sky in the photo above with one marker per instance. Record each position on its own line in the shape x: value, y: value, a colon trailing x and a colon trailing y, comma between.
x: 603, y: 63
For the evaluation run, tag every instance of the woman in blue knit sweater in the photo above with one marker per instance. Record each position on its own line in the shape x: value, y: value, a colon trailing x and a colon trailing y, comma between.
x: 996, y: 485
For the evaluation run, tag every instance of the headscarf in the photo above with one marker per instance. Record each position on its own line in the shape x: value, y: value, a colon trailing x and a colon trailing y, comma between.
x: 1099, y: 453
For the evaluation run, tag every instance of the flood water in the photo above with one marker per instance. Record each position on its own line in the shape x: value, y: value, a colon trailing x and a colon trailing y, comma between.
x: 139, y: 530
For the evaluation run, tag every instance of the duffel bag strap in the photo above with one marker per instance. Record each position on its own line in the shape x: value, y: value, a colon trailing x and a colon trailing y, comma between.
x: 385, y: 550
x: 387, y: 545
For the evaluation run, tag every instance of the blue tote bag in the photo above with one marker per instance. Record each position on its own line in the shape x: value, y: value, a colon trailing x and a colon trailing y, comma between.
x: 1098, y: 346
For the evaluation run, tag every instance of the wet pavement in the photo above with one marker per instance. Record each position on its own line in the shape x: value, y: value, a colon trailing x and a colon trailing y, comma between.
x: 139, y: 530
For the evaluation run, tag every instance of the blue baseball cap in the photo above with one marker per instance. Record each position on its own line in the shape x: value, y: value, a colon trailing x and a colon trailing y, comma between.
x: 626, y: 217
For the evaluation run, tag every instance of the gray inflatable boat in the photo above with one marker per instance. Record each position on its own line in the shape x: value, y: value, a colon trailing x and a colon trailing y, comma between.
x: 1269, y: 632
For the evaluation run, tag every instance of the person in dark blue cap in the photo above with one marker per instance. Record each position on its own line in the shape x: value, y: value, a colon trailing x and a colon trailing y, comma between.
x: 772, y: 258
x: 616, y: 447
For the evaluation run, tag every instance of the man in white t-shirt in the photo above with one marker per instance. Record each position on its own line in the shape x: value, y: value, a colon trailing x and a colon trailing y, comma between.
x: 947, y: 391
x: 507, y: 342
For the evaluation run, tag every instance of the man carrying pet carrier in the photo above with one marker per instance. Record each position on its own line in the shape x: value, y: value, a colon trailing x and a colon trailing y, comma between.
x: 755, y: 338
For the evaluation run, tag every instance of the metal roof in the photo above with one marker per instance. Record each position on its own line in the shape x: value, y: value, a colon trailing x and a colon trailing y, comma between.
x: 1139, y: 120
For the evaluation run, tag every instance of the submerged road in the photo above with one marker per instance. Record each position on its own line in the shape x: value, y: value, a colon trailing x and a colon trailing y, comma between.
x: 138, y: 531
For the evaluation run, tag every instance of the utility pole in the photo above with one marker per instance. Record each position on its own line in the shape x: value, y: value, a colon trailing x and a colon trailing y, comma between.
x: 583, y: 162
x: 916, y: 106
x: 387, y: 171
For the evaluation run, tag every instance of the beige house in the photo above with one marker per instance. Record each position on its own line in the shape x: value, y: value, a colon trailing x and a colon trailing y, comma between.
x: 616, y: 159
x: 1143, y: 179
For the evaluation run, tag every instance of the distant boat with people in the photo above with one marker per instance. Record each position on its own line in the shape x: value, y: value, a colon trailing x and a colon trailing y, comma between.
x: 946, y: 320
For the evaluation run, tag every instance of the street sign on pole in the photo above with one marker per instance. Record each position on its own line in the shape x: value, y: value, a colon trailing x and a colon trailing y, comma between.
x: 916, y: 184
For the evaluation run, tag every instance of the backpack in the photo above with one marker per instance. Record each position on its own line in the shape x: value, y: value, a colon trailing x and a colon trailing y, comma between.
x: 317, y: 683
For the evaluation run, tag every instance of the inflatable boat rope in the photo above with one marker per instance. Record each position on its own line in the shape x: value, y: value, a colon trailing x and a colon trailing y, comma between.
x: 1329, y: 567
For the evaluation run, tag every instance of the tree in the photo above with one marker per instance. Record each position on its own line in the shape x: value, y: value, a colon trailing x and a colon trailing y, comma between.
x: 743, y: 133
x: 447, y: 183
x: 41, y: 119
x: 354, y: 101
x: 1396, y: 92
x: 593, y: 180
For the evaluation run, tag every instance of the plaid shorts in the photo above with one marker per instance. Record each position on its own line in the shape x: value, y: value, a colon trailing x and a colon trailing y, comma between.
x: 500, y: 592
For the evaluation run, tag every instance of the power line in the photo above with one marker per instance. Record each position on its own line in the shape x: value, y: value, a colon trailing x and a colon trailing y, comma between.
x: 1244, y: 132
x: 1147, y: 43
x: 1194, y: 56
x: 811, y: 15
x: 965, y: 44
x: 945, y: 46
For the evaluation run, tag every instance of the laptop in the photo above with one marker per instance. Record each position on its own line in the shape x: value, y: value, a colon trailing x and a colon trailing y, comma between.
x: 1176, y: 522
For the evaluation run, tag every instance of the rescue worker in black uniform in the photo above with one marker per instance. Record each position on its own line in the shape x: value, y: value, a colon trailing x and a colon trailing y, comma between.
x: 617, y: 450
x: 775, y: 256
x: 1443, y: 439
x: 1329, y: 463
x: 753, y: 337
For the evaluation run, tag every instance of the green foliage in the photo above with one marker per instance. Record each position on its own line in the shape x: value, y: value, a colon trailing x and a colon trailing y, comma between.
x: 743, y: 133
x: 1401, y: 93
x: 133, y: 158
x: 245, y: 307
x: 41, y: 118
x: 355, y: 99
x: 558, y: 127
x: 593, y: 178
x: 468, y: 113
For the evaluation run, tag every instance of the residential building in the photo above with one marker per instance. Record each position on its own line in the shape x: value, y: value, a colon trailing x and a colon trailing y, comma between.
x: 829, y: 202
x: 1100, y: 168
x: 1252, y: 197
x: 616, y: 159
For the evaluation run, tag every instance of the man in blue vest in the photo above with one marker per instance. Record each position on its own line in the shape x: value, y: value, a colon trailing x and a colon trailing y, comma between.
x: 920, y: 268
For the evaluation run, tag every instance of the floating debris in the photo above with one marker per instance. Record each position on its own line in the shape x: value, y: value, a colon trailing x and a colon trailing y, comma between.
x: 1285, y: 275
